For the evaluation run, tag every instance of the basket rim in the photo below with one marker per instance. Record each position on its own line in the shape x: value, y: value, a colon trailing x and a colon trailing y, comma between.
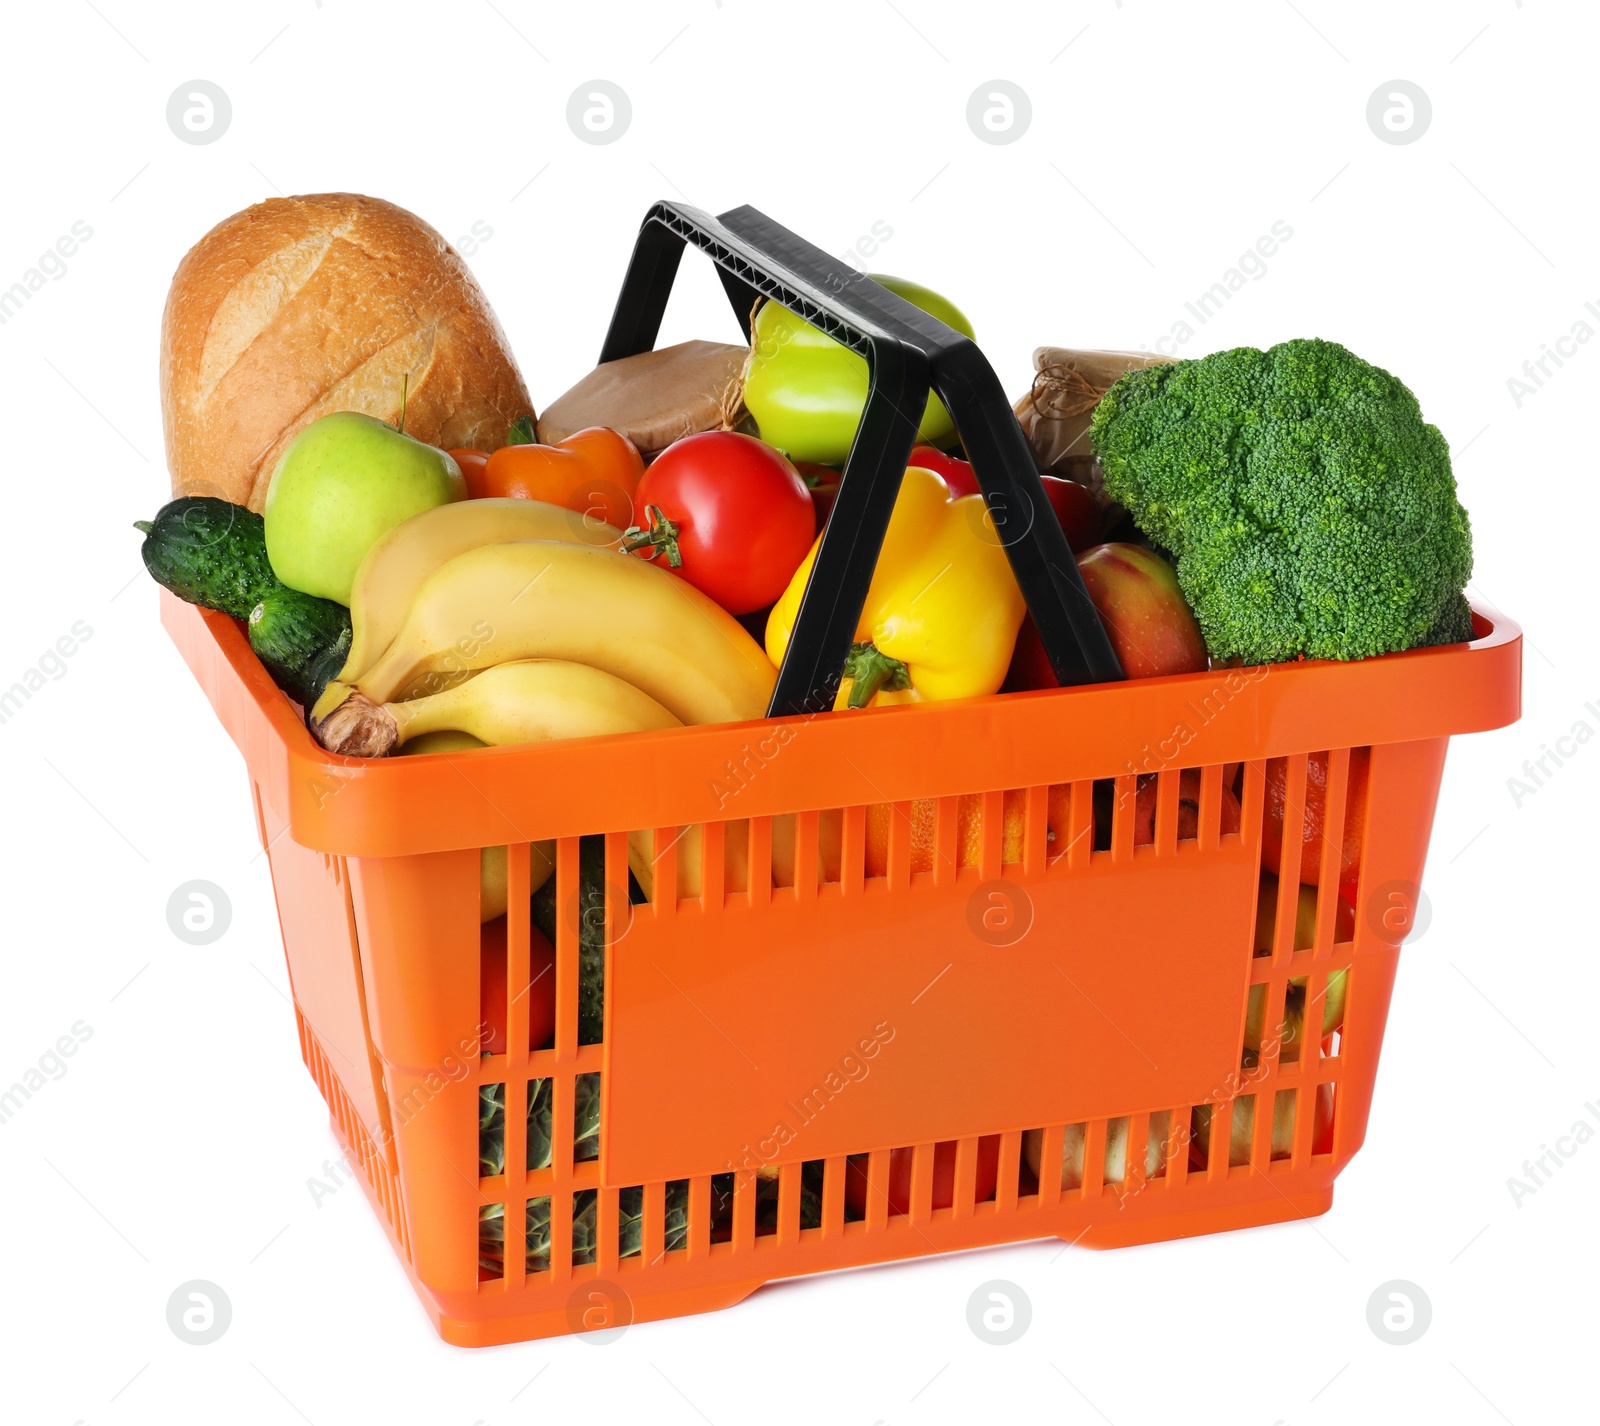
x: 767, y: 766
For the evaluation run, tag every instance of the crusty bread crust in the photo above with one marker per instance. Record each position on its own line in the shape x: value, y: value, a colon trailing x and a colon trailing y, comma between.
x: 301, y: 306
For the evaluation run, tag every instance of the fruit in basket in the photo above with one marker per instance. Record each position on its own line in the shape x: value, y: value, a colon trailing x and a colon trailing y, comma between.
x: 1291, y: 1028
x: 1147, y: 794
x: 213, y: 553
x: 339, y: 487
x: 540, y: 998
x: 1137, y: 597
x: 593, y: 473
x: 472, y: 464
x: 1241, y: 1128
x: 1311, y: 510
x: 807, y: 391
x: 898, y: 1189
x: 399, y: 564
x: 727, y: 513
x: 542, y: 599
x: 942, y: 611
x: 523, y: 701
x: 1114, y: 1167
x: 1312, y: 818
x: 1136, y: 594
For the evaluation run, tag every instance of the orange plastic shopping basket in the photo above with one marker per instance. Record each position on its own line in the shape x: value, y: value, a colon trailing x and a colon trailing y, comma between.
x: 907, y: 980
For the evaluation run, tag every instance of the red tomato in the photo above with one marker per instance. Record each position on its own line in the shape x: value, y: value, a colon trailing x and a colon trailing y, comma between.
x: 957, y: 473
x: 594, y: 471
x: 729, y: 514
x: 1075, y: 509
x: 473, y: 470
x: 944, y: 1176
x: 492, y: 989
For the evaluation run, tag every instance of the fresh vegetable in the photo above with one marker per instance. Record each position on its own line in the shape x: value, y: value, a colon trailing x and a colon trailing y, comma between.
x: 1311, y: 509
x: 523, y: 701
x: 212, y: 553
x: 209, y: 552
x: 473, y: 466
x: 396, y: 567
x: 1313, y: 817
x: 591, y: 934
x: 301, y: 639
x: 898, y: 1189
x: 545, y: 599
x: 340, y: 485
x: 943, y: 608
x: 594, y: 472
x: 727, y: 513
x: 807, y: 391
x: 958, y: 474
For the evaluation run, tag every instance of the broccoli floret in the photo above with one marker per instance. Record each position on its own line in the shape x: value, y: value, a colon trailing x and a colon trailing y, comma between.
x: 1310, y: 508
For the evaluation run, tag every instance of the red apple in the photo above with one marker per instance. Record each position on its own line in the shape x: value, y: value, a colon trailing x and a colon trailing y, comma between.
x: 1137, y: 596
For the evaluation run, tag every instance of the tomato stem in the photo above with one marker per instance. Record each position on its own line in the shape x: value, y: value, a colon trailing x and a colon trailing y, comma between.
x: 659, y: 536
x: 869, y: 670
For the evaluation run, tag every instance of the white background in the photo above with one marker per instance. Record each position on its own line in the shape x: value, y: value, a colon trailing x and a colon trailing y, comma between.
x: 1165, y: 140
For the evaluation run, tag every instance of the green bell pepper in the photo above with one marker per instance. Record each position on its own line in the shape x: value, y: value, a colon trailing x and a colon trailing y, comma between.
x: 807, y: 392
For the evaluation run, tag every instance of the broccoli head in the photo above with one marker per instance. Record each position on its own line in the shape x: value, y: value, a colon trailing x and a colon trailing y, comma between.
x: 1309, y: 507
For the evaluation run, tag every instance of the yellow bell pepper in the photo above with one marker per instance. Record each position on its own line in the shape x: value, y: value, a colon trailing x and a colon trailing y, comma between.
x: 943, y: 610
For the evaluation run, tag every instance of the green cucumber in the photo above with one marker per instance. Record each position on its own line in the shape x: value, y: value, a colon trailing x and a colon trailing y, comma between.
x: 214, y: 553
x: 209, y: 552
x: 302, y: 640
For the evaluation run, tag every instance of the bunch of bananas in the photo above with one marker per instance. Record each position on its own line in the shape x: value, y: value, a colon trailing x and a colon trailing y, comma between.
x: 515, y: 621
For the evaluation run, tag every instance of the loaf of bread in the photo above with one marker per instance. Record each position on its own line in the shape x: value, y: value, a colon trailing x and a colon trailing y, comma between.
x: 301, y: 306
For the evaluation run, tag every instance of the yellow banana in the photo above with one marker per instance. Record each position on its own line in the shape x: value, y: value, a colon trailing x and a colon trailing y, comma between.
x: 396, y: 567
x: 495, y: 879
x: 542, y: 599
x: 532, y: 700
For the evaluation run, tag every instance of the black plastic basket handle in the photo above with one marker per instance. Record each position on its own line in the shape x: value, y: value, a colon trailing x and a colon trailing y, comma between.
x: 908, y: 353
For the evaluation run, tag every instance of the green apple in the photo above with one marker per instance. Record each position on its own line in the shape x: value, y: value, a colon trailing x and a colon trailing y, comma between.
x: 339, y: 486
